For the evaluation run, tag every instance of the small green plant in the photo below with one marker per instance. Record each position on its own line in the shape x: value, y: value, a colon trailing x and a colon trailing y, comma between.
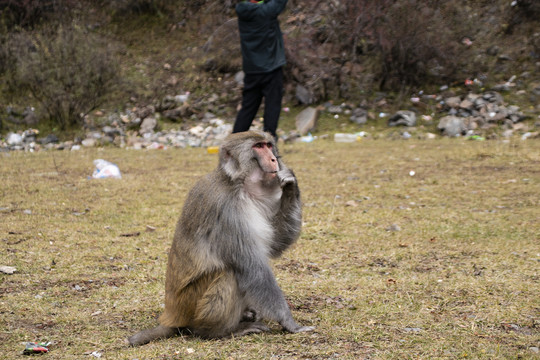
x: 68, y: 71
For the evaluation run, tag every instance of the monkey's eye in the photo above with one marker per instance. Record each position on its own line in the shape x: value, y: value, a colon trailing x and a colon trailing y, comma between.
x: 258, y: 145
x: 269, y: 145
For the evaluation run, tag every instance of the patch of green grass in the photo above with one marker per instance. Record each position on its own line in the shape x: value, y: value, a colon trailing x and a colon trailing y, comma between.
x: 458, y: 280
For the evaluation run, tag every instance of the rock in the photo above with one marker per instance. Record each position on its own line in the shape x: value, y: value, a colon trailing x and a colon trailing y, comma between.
x: 453, y: 102
x: 49, y: 139
x: 507, y: 133
x: 403, y: 118
x: 178, y: 113
x: 303, y: 95
x: 148, y: 125
x: 29, y: 116
x: 493, y: 97
x: 306, y: 120
x: 493, y: 50
x: 112, y: 132
x: 466, y: 104
x: 145, y: 112
x: 89, y: 142
x: 452, y: 126
x: 359, y: 116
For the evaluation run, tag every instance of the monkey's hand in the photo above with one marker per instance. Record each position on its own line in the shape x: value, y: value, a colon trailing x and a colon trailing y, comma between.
x: 286, y: 176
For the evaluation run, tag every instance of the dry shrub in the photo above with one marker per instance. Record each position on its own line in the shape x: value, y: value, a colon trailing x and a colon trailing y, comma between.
x: 412, y: 40
x: 28, y: 13
x: 69, y: 72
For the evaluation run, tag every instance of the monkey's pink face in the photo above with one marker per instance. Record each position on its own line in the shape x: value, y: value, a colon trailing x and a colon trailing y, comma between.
x: 265, y: 157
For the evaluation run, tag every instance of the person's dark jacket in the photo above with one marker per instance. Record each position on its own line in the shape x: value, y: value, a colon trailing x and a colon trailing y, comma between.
x: 260, y: 36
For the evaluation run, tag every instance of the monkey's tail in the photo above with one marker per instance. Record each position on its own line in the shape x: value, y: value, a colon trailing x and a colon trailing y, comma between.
x: 159, y: 332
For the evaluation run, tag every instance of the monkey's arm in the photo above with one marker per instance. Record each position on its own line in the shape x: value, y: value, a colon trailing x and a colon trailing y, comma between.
x: 288, y: 221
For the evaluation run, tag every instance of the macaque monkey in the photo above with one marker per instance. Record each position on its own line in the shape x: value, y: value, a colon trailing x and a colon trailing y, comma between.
x: 219, y: 282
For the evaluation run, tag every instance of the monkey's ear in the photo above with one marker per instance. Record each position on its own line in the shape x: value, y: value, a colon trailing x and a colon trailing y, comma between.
x: 229, y: 164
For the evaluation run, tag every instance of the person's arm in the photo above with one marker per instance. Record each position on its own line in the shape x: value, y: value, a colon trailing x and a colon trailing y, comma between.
x: 273, y: 8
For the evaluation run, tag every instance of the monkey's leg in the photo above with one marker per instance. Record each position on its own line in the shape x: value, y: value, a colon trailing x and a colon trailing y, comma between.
x: 263, y: 294
x: 220, y: 311
x: 159, y: 332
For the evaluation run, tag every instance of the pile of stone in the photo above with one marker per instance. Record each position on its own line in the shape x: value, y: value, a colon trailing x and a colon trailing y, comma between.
x: 209, y: 132
x: 476, y: 112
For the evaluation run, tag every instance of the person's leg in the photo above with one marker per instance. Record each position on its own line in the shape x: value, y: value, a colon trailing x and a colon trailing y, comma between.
x: 273, y: 94
x: 251, y: 100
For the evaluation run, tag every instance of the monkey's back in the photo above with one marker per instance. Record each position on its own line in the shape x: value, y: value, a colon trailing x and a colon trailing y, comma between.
x: 196, y: 254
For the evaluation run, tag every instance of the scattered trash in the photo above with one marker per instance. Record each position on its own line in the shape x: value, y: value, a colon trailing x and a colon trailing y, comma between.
x: 531, y: 135
x: 212, y: 149
x: 14, y: 139
x: 133, y: 234
x: 96, y: 354
x: 7, y: 270
x: 105, y: 169
x: 412, y: 330
x: 393, y: 228
x: 466, y: 41
x: 402, y: 118
x: 412, y: 173
x: 348, y: 138
x: 307, y: 139
x: 476, y: 137
x: 36, y: 348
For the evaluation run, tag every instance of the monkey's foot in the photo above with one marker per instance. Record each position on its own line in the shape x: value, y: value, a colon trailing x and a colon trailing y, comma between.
x: 245, y: 328
x: 304, y: 329
x: 294, y: 328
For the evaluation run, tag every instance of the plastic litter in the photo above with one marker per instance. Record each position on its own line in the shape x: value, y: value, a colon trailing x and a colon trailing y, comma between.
x: 308, y: 138
x: 348, y: 138
x: 105, y: 169
x: 212, y: 149
x: 36, y: 348
x: 476, y: 137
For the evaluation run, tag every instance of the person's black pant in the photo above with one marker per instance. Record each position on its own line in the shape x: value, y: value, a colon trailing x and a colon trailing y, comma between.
x: 256, y: 86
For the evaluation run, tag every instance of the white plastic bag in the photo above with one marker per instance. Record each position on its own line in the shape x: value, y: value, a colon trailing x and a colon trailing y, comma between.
x: 105, y: 169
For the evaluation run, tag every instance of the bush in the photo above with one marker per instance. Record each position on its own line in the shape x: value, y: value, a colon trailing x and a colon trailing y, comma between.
x: 411, y: 40
x: 69, y: 72
x: 28, y: 13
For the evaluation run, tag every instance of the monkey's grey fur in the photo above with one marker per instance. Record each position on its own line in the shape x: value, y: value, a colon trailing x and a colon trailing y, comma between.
x: 219, y: 281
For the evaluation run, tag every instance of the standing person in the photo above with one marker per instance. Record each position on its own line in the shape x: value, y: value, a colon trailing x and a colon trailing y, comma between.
x: 263, y: 56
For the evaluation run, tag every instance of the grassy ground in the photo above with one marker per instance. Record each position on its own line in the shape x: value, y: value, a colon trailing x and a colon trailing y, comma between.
x: 442, y: 264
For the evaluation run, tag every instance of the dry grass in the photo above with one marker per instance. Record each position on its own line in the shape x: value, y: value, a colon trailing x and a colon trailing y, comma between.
x: 460, y: 279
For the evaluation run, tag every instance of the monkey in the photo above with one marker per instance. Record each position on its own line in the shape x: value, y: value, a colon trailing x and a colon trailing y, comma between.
x: 219, y: 282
